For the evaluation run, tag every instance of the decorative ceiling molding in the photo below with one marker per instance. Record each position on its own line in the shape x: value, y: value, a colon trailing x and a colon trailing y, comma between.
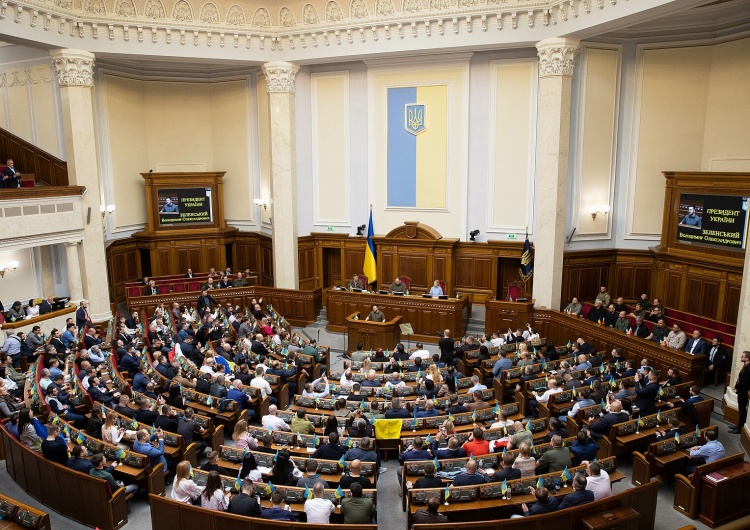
x: 323, y: 23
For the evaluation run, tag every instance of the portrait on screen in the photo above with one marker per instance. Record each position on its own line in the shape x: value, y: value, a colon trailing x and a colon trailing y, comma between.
x: 184, y: 206
x: 691, y: 213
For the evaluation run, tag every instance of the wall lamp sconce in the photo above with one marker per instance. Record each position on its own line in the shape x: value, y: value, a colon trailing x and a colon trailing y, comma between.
x: 259, y: 202
x: 595, y: 210
x: 473, y: 234
x: 361, y: 230
x: 106, y: 210
x: 4, y: 269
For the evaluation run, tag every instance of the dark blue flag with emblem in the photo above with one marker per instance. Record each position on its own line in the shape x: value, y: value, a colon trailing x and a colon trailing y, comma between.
x: 527, y: 261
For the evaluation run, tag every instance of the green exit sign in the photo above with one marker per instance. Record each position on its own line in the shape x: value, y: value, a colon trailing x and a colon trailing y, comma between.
x: 329, y: 229
x: 511, y: 236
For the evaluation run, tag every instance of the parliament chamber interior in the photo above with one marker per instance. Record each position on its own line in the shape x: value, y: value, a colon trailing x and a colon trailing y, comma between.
x: 289, y: 265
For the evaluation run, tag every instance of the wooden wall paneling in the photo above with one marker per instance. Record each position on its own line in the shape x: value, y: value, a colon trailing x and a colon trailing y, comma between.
x: 386, y: 272
x: 592, y: 271
x: 266, y: 262
x: 732, y: 299
x: 308, y: 275
x: 31, y: 159
x: 123, y: 266
x: 416, y: 266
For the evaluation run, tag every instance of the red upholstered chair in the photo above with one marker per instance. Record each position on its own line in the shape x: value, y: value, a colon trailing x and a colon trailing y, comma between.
x: 178, y: 287
x: 194, y: 286
x: 514, y: 291
x: 134, y: 291
x: 364, y: 278
x: 442, y: 286
x: 163, y: 289
x: 406, y: 281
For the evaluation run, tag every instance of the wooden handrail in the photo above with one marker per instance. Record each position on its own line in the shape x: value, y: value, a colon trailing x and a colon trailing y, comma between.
x: 29, y: 158
x: 41, y: 193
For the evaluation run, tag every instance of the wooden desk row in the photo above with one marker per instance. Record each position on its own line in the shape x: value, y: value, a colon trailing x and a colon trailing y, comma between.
x: 15, y: 515
x: 426, y: 315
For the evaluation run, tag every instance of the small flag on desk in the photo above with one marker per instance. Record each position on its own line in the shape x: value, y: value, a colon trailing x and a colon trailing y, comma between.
x: 474, y: 416
x: 677, y: 437
x: 504, y: 449
x: 315, y: 440
x: 496, y: 409
x: 80, y: 438
x: 191, y: 473
x: 120, y: 454
x: 565, y: 475
x: 447, y: 492
x: 602, y: 404
x: 504, y: 487
x: 569, y: 345
x: 308, y: 493
x: 270, y: 488
x: 342, y: 462
x: 660, y: 391
x: 658, y: 416
x: 276, y: 456
x: 451, y: 418
x: 339, y: 492
x: 528, y: 426
x: 238, y: 484
x: 640, y: 422
x: 428, y: 440
x: 437, y: 464
x: 574, y: 392
x: 540, y: 483
x: 697, y: 431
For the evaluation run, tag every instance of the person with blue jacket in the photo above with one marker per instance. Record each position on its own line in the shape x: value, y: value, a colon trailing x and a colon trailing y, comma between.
x: 153, y: 447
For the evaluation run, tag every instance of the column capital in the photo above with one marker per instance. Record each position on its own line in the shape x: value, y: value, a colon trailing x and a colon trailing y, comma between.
x: 280, y: 76
x: 557, y: 57
x: 73, y: 67
x: 73, y: 243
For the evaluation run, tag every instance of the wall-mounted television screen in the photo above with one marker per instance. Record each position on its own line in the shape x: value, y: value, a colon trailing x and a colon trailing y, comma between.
x: 184, y: 206
x: 718, y: 221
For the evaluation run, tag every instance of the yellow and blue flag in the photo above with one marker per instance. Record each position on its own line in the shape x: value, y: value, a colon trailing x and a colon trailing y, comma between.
x: 370, y: 265
x: 565, y: 475
x: 191, y: 473
x: 417, y: 165
x: 342, y: 462
x: 308, y: 492
x: 504, y: 487
x: 339, y: 493
x: 437, y: 463
x: 540, y: 483
x: 697, y: 431
x: 238, y: 484
x: 677, y: 437
x: 447, y: 492
x: 270, y: 488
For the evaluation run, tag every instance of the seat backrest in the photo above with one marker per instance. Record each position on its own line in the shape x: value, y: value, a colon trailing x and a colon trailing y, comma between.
x: 179, y: 287
x: 442, y: 286
x: 364, y: 278
x: 406, y: 281
x: 514, y: 292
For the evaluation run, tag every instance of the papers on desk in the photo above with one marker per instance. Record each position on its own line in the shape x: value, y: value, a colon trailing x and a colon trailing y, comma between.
x: 265, y: 470
x: 553, y: 372
x: 310, y: 449
x: 715, y: 477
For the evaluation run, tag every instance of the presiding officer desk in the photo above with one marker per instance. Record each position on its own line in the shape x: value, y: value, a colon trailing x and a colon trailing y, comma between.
x: 426, y: 315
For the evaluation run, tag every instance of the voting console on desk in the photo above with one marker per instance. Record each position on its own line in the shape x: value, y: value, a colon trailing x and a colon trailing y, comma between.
x: 12, y: 512
x: 284, y: 438
x: 233, y: 455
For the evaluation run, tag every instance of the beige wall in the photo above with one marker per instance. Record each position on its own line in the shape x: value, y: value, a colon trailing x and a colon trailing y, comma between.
x: 330, y: 149
x: 177, y: 126
x: 21, y: 284
x: 513, y: 89
x: 28, y: 104
x: 264, y: 148
x: 674, y: 90
x: 726, y: 144
x: 694, y: 115
x: 596, y: 135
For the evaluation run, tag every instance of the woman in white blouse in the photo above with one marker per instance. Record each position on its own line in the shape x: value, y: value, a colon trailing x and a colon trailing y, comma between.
x: 184, y: 489
x: 111, y: 433
x: 32, y: 310
x: 213, y: 497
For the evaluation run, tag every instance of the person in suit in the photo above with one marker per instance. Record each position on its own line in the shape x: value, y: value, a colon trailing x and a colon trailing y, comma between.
x: 696, y: 344
x: 580, y: 494
x: 47, y: 306
x: 741, y: 387
x: 356, y: 283
x: 82, y: 315
x: 646, y: 390
x: 544, y: 503
x: 597, y: 312
x: 204, y: 302
x: 189, y: 273
x: 615, y: 415
x: 11, y: 177
x: 507, y: 471
x: 245, y: 502
x: 716, y: 356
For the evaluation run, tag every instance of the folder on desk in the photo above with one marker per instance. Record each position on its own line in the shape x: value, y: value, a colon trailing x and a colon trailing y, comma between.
x: 406, y: 329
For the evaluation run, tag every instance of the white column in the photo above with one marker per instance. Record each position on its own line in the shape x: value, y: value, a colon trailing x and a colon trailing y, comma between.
x: 280, y: 84
x: 74, y: 70
x: 48, y: 280
x: 74, y: 271
x: 556, y: 67
x: 741, y: 341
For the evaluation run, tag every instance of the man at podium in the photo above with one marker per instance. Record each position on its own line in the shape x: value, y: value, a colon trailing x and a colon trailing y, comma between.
x: 376, y: 315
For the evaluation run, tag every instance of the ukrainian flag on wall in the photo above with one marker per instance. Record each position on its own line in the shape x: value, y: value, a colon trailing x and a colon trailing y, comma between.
x: 418, y: 146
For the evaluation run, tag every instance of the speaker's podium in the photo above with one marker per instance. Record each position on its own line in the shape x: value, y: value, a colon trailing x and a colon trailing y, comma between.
x: 373, y: 335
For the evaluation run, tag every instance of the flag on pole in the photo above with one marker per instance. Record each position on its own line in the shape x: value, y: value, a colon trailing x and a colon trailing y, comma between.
x: 504, y: 487
x: 437, y: 464
x: 527, y: 261
x: 308, y: 493
x: 677, y: 437
x: 339, y: 492
x: 540, y: 483
x: 370, y: 266
x: 697, y: 431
